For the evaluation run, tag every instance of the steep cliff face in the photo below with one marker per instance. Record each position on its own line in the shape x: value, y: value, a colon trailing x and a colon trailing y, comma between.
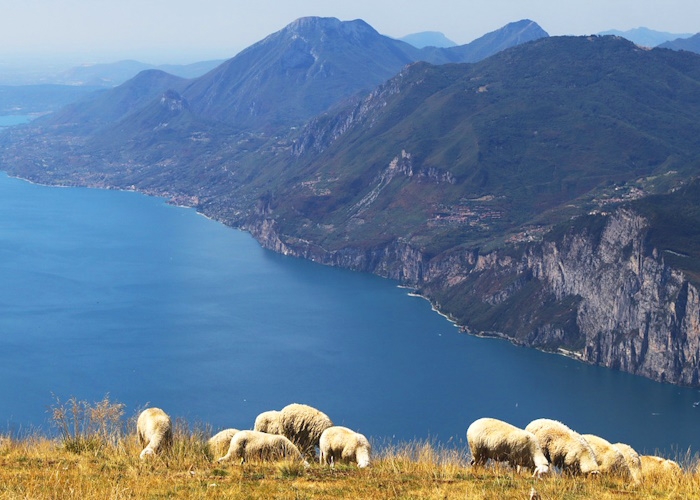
x: 634, y: 312
x: 598, y: 293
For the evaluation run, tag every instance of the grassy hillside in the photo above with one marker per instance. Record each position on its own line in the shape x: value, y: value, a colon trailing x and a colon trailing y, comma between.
x: 521, y: 138
x: 97, y: 457
x: 675, y: 227
x: 38, y: 468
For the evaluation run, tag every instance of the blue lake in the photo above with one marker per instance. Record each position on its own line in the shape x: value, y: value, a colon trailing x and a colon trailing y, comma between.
x: 115, y: 292
x: 9, y: 120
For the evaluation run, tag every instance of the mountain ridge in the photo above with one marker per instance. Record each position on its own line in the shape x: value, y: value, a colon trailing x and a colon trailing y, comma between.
x: 305, y: 53
x: 428, y: 39
x: 691, y: 44
x: 646, y: 37
x: 464, y: 181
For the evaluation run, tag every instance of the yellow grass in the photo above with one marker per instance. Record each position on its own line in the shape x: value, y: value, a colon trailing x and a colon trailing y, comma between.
x: 36, y: 467
x: 39, y: 467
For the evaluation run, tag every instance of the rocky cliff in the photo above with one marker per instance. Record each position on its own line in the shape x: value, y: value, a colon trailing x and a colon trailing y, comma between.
x: 597, y: 292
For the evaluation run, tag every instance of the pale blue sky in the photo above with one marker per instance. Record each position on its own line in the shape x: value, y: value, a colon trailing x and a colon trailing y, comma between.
x: 179, y: 31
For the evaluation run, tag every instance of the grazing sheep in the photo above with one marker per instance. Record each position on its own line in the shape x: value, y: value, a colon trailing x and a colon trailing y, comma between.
x: 502, y: 442
x: 219, y: 443
x: 610, y: 459
x: 268, y: 421
x: 563, y: 447
x: 632, y: 459
x: 303, y: 425
x: 155, y: 431
x: 654, y: 467
x: 340, y: 443
x: 255, y: 445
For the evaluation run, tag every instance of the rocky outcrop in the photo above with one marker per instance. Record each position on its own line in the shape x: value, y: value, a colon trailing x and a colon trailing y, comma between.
x: 635, y: 313
x: 597, y: 293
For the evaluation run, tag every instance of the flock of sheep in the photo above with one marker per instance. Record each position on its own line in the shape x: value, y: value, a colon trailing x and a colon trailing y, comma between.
x: 295, y: 431
x: 291, y: 433
x: 545, y: 443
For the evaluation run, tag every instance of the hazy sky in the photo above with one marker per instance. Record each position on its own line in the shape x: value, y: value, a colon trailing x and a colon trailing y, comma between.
x: 161, y: 31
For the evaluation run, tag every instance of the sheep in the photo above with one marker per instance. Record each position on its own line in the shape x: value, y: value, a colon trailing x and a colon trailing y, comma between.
x: 268, y: 421
x: 633, y: 461
x: 563, y: 447
x: 654, y: 467
x: 219, y: 443
x: 610, y: 459
x: 255, y: 445
x: 303, y: 425
x: 500, y: 441
x: 155, y: 431
x: 341, y: 443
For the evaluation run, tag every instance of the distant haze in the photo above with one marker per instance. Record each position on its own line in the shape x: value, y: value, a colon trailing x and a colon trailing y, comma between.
x: 181, y: 31
x: 428, y: 39
x: 646, y: 37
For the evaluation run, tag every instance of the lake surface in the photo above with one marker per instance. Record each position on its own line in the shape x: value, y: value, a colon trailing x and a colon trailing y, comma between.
x: 115, y: 292
x: 9, y: 120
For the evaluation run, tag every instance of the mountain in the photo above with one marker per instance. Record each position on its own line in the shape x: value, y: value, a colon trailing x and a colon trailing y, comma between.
x: 536, y: 194
x: 113, y: 74
x: 428, y: 39
x: 298, y: 72
x: 110, y: 106
x: 548, y: 195
x: 645, y: 36
x: 510, y: 35
x: 313, y: 63
x: 691, y: 44
x: 534, y: 129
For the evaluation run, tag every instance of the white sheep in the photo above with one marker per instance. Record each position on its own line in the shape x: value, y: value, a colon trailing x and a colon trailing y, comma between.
x: 610, y: 459
x: 255, y: 445
x: 303, y: 425
x: 654, y: 467
x: 268, y: 421
x: 155, y: 431
x: 563, y: 447
x: 633, y: 461
x: 219, y: 443
x: 489, y: 438
x: 341, y: 443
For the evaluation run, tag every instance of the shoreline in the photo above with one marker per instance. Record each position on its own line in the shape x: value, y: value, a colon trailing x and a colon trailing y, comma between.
x: 412, y: 293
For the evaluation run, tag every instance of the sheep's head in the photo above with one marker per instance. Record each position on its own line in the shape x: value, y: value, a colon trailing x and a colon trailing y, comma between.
x: 541, y: 470
x: 146, y: 452
x: 362, y: 451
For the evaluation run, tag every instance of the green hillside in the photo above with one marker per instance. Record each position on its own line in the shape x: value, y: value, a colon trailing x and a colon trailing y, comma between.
x: 527, y: 137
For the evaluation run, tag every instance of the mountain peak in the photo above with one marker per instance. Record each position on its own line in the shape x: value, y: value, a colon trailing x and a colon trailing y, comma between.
x: 428, y: 39
x: 307, y: 26
x: 312, y: 22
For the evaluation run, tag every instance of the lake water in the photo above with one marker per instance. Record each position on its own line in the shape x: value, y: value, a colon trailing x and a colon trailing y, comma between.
x: 115, y: 292
x: 9, y: 120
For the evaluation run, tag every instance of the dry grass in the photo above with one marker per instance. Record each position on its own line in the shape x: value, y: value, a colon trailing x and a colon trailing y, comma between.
x: 38, y: 467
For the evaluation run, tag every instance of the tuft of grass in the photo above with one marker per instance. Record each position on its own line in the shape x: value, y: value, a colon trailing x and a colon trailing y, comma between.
x: 291, y: 470
x: 87, y: 427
